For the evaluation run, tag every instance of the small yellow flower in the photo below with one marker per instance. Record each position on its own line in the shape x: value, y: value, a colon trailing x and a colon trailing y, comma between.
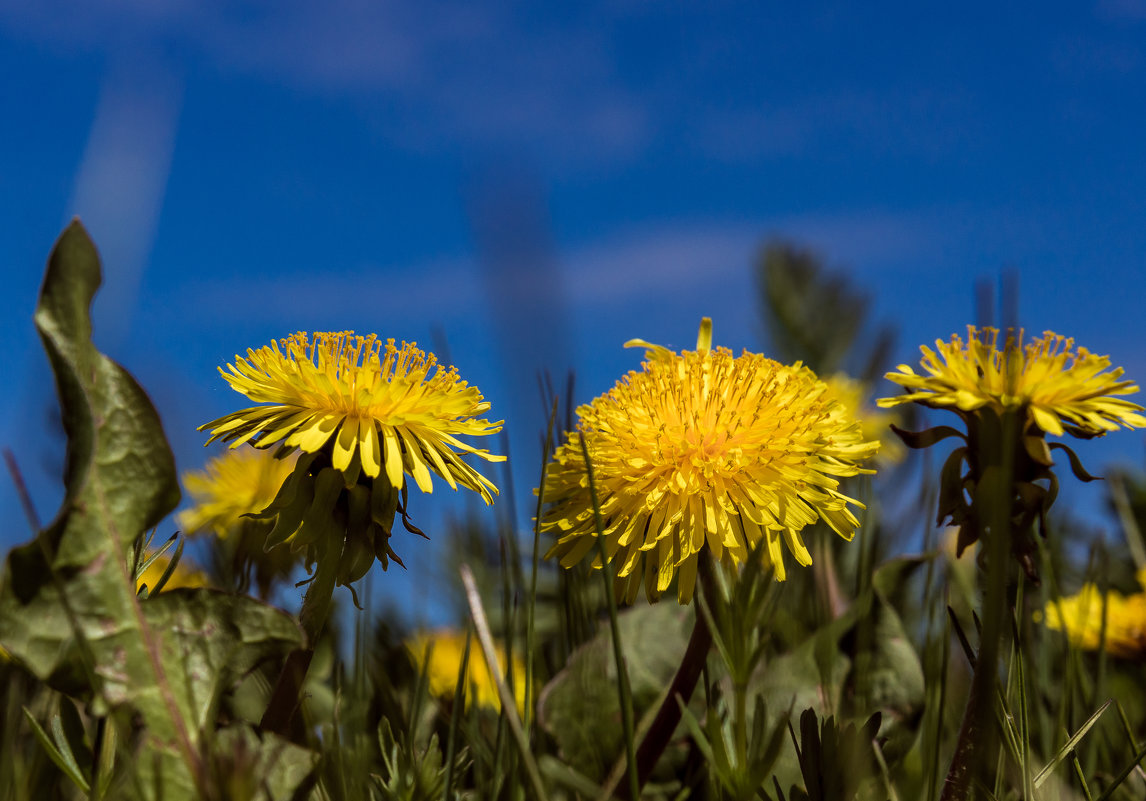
x: 853, y: 397
x: 363, y: 414
x: 239, y: 482
x: 1080, y: 617
x: 703, y: 448
x: 446, y: 662
x: 1061, y: 389
x: 184, y: 575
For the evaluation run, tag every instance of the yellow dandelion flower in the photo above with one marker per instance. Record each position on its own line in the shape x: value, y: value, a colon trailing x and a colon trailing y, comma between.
x: 232, y: 487
x: 378, y: 406
x: 853, y: 396
x: 1062, y: 389
x: 446, y: 662
x: 363, y: 413
x: 184, y: 575
x: 1080, y: 617
x: 703, y: 448
x: 239, y: 482
x: 1045, y: 387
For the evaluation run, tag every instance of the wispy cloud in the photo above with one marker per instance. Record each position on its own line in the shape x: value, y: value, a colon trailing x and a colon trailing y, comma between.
x: 122, y: 178
x: 654, y: 263
x: 438, y: 72
x: 690, y: 256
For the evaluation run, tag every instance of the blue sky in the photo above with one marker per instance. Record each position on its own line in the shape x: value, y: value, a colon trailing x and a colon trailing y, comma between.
x: 542, y: 183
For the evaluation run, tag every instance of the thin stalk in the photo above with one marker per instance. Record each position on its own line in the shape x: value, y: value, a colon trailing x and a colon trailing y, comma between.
x: 740, y: 724
x: 530, y: 635
x: 315, y: 610
x: 688, y: 673
x: 977, y: 734
x: 508, y: 704
x: 455, y: 716
x: 611, y: 600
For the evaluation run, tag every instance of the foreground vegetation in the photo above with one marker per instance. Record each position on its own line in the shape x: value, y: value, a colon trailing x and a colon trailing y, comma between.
x: 720, y: 599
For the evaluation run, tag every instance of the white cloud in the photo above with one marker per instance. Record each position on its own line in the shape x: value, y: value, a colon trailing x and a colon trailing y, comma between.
x: 654, y: 264
x: 687, y: 257
x: 120, y: 185
x: 437, y: 72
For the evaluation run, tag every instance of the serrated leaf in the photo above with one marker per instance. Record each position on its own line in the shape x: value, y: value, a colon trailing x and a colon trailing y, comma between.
x: 68, y: 606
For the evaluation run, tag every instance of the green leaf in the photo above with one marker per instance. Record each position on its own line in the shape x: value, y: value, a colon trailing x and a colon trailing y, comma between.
x: 68, y: 606
x: 260, y: 766
x: 579, y: 707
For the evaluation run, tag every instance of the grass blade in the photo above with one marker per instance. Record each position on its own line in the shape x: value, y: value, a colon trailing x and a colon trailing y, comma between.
x: 1069, y: 746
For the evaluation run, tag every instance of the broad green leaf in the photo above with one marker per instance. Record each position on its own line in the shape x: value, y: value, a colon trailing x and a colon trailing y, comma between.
x: 68, y: 607
x: 579, y: 707
x: 260, y: 766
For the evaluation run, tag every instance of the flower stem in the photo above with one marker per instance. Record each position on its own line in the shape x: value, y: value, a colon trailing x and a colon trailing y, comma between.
x: 668, y: 716
x: 977, y: 733
x: 285, y: 698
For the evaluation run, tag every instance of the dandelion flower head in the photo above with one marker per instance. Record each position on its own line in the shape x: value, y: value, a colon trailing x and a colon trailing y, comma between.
x: 1080, y: 617
x: 1062, y: 389
x: 378, y: 406
x: 363, y: 414
x: 702, y: 449
x: 241, y: 481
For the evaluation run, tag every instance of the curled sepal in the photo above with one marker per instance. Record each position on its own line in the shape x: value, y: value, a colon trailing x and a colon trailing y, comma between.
x: 1076, y: 464
x: 952, y: 499
x: 289, y: 489
x: 927, y: 437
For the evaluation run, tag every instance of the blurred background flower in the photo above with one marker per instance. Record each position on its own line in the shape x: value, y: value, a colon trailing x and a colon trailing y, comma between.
x: 1093, y: 619
x: 440, y: 653
x: 238, y: 483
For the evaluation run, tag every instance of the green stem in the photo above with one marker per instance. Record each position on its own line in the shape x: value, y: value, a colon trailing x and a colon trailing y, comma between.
x: 740, y: 698
x: 285, y: 698
x: 977, y: 733
x: 668, y: 716
x: 623, y: 687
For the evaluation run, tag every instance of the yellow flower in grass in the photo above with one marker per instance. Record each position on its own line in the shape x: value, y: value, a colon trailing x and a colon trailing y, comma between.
x: 233, y: 486
x: 703, y: 449
x: 239, y: 482
x: 1081, y: 618
x: 1062, y: 389
x: 1046, y: 387
x: 363, y: 413
x: 446, y: 662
